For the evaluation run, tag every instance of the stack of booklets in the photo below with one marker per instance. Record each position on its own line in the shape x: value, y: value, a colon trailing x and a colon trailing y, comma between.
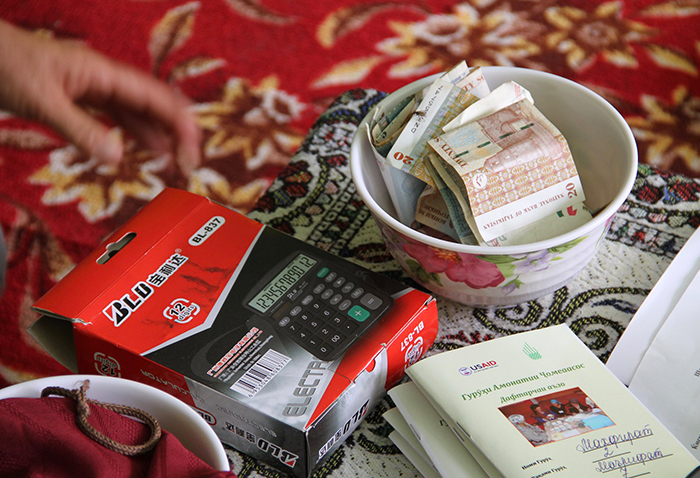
x: 529, y: 405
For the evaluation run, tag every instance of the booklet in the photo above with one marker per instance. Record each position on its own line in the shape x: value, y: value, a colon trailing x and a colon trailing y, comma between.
x: 395, y: 419
x: 446, y: 452
x: 540, y: 403
x: 423, y: 467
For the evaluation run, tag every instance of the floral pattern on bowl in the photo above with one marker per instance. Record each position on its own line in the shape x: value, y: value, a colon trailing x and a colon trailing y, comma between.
x: 430, y: 265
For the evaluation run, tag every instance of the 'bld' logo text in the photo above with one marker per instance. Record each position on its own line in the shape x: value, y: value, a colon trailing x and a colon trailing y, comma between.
x: 120, y: 310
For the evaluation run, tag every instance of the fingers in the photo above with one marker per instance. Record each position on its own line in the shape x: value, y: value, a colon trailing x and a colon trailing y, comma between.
x: 188, y: 157
x: 148, y: 133
x: 149, y: 99
x: 154, y: 137
x: 84, y: 131
x: 44, y: 79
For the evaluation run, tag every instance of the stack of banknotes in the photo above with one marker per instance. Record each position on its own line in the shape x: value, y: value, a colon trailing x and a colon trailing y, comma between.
x: 481, y: 167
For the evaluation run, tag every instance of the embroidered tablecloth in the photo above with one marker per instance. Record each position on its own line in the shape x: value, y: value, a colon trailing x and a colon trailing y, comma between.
x: 314, y: 199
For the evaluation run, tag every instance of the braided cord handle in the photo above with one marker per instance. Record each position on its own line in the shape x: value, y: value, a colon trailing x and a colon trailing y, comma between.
x: 83, y: 406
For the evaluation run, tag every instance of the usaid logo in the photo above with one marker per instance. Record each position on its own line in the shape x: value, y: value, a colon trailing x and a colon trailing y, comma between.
x: 478, y: 367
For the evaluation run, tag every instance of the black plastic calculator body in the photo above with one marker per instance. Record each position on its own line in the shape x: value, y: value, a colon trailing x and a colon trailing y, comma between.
x: 317, y: 303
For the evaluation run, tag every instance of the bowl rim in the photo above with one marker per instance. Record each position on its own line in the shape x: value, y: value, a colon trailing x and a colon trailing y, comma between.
x: 598, y: 220
x: 163, y: 406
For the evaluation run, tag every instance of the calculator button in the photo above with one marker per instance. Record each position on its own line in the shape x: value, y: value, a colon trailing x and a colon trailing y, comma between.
x: 348, y: 287
x: 314, y: 323
x: 325, y: 349
x: 325, y: 331
x: 336, y: 299
x: 284, y: 322
x: 357, y: 293
x: 337, y: 320
x: 319, y: 288
x: 294, y: 327
x: 313, y: 342
x: 326, y: 313
x: 304, y: 316
x: 295, y: 311
x: 345, y: 305
x: 316, y: 306
x: 371, y: 301
x: 349, y: 326
x: 322, y: 272
x: 336, y: 338
x: 327, y: 294
x: 358, y: 313
x: 304, y: 335
x: 339, y: 281
x: 307, y: 300
x: 331, y: 277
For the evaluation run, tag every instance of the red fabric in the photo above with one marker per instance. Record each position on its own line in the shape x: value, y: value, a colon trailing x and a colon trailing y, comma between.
x: 261, y: 71
x: 40, y: 438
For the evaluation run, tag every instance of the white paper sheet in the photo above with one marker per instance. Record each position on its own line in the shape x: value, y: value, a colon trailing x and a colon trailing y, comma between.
x: 655, y: 310
x: 667, y: 380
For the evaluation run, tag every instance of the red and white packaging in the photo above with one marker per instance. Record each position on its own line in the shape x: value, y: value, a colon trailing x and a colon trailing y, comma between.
x: 281, y: 347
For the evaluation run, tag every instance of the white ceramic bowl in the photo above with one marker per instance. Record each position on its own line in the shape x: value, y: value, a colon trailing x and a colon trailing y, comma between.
x: 172, y: 414
x: 605, y: 153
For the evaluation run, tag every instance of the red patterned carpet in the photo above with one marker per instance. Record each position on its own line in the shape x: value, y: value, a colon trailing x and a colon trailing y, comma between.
x: 260, y: 72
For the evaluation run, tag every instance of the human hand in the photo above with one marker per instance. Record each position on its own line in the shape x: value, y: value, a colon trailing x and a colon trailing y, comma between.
x: 52, y: 81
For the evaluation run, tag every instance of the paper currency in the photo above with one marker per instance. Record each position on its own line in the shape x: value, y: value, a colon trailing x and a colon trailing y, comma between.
x: 387, y: 127
x: 432, y: 211
x: 457, y: 73
x: 472, y: 80
x: 505, y: 95
x: 474, y: 83
x: 443, y: 102
x: 548, y: 227
x: 507, y: 170
x: 455, y: 197
x: 506, y: 137
x: 435, y: 213
x: 404, y: 190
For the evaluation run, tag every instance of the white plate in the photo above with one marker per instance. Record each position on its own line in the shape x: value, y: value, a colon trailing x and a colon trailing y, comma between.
x: 173, y: 415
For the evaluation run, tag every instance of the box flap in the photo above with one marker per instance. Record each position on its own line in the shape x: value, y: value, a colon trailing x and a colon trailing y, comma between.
x: 56, y: 337
x: 161, y: 270
x: 79, y: 287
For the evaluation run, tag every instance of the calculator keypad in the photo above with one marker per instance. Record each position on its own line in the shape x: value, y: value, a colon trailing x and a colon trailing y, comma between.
x: 328, y: 318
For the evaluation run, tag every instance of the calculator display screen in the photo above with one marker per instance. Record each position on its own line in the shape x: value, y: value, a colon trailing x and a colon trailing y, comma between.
x: 282, y: 283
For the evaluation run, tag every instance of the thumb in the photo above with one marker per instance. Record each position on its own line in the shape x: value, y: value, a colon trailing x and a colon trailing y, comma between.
x: 84, y: 131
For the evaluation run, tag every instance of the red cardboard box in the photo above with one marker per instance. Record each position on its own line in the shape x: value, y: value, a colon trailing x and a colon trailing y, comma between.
x: 280, y: 346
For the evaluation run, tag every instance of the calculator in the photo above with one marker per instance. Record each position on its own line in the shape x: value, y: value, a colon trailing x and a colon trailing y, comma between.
x: 318, y: 304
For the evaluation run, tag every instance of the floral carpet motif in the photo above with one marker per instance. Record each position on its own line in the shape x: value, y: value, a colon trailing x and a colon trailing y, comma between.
x: 262, y: 74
